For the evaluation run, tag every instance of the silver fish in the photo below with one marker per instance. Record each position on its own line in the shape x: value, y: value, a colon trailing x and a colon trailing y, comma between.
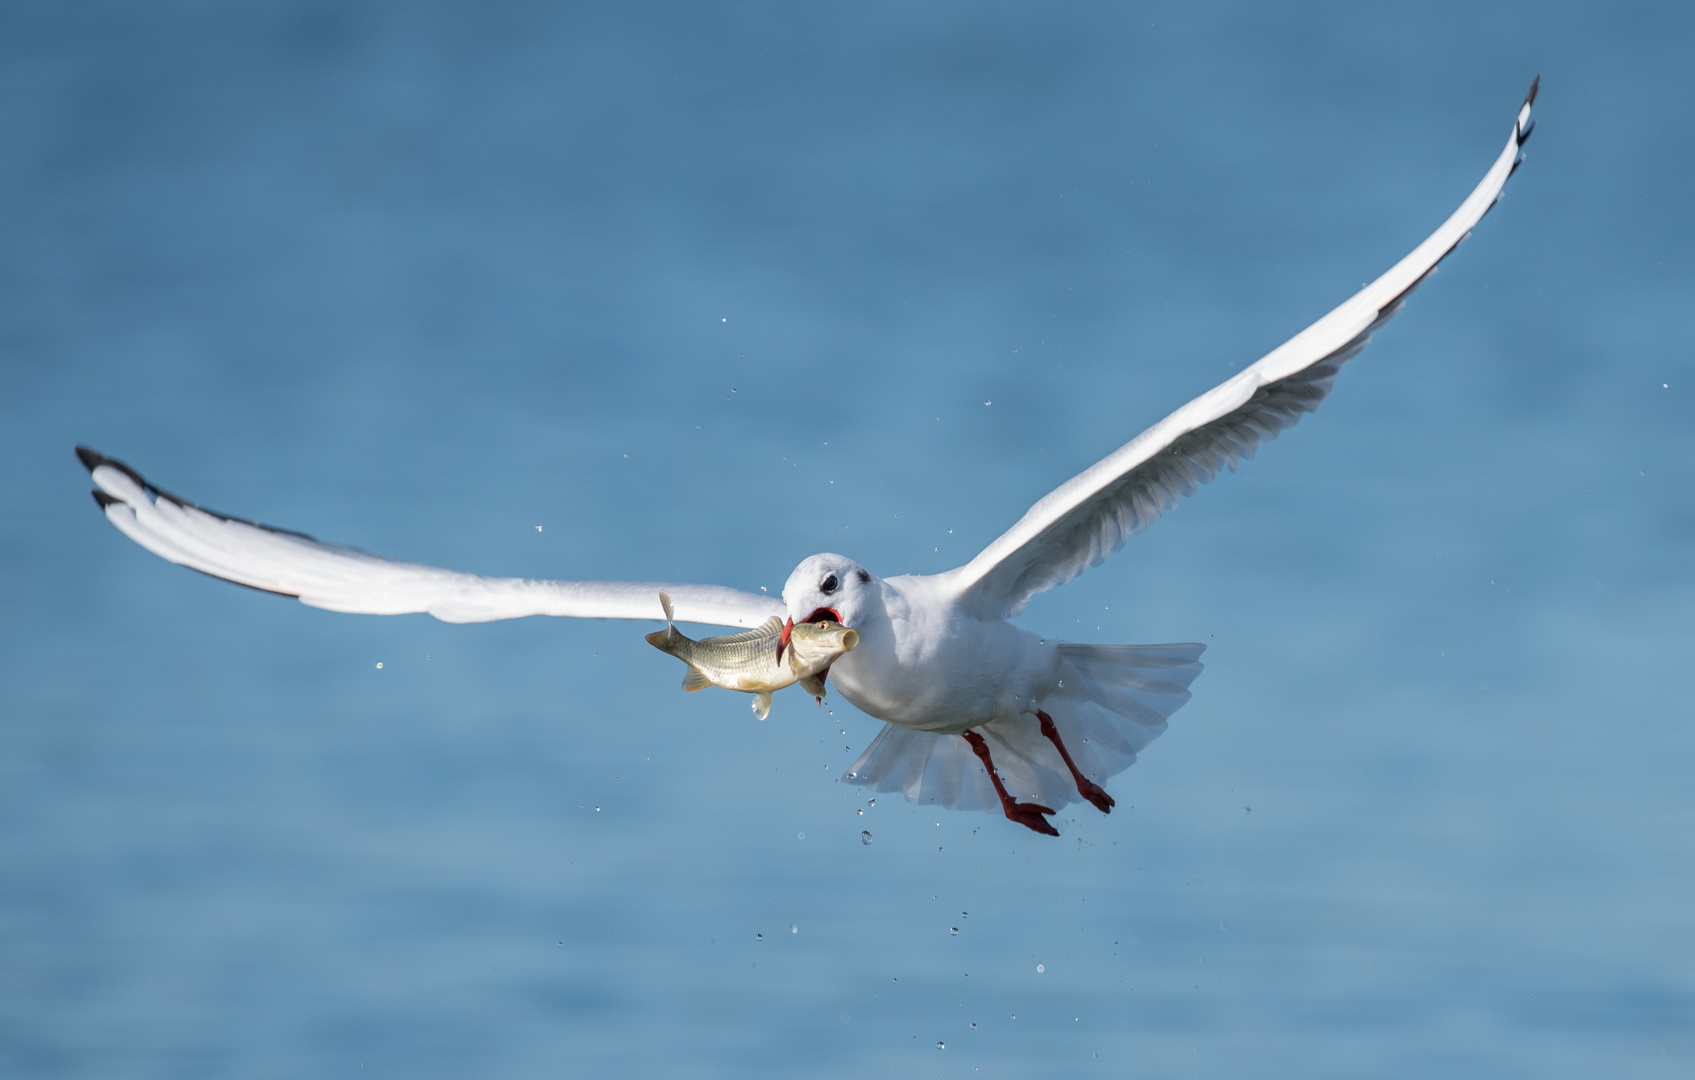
x: 760, y: 660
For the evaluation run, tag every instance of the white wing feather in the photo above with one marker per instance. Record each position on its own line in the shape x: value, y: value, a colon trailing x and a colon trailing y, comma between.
x: 339, y: 578
x: 1090, y: 516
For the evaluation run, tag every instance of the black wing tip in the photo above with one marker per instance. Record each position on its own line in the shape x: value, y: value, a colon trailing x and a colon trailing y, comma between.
x: 1522, y: 134
x: 93, y: 459
x: 104, y: 500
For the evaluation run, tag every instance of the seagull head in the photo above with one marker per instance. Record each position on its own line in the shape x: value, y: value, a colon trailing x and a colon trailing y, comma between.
x: 831, y: 587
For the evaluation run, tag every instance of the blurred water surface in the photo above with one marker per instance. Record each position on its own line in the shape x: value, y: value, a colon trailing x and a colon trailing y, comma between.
x: 702, y: 290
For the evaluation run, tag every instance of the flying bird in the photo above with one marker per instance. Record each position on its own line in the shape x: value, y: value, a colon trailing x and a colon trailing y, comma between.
x: 978, y: 713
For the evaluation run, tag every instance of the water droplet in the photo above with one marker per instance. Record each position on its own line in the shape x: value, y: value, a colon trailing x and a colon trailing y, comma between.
x: 793, y: 929
x: 973, y: 1024
x: 597, y: 809
x: 852, y: 775
x: 800, y: 836
x: 759, y: 937
x: 940, y: 1045
x: 865, y: 836
x: 953, y: 931
x: 1041, y: 968
x: 1042, y: 641
x: 1062, y: 684
x: 1247, y: 809
x: 861, y: 812
x: 379, y: 665
x: 873, y: 802
x: 963, y: 914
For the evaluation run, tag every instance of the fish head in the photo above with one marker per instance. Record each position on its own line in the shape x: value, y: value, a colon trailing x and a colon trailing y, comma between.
x: 831, y: 588
x: 814, y: 646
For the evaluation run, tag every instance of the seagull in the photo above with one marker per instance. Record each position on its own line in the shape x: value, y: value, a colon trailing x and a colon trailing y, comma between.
x: 979, y: 714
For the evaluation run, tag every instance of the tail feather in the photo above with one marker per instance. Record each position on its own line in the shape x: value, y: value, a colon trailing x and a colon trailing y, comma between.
x: 1111, y: 702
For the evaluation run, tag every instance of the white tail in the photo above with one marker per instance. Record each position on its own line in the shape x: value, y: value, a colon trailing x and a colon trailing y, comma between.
x: 1110, y: 702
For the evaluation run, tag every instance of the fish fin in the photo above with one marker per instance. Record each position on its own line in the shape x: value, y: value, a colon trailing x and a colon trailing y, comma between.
x: 695, y: 680
x: 762, y: 704
x: 770, y: 626
x: 814, y: 685
x: 664, y: 639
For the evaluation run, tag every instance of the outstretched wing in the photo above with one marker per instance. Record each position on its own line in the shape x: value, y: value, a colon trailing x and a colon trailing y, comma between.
x: 339, y: 578
x: 1091, y: 515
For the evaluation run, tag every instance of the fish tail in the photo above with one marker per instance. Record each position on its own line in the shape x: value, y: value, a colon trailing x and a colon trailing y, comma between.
x: 668, y: 637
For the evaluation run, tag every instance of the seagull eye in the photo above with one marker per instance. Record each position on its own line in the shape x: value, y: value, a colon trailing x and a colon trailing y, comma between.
x: 829, y: 585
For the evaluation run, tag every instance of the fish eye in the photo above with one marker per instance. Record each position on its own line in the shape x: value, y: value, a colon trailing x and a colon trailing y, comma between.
x: 830, y: 584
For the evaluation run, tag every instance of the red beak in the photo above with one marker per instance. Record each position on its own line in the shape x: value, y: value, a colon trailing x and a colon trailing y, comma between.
x: 783, y: 642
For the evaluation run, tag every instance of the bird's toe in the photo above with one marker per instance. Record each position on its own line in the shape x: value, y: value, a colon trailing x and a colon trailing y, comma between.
x: 1030, y: 816
x: 1098, y: 796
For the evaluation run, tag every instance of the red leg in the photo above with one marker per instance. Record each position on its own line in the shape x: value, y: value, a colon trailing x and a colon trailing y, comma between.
x: 1026, y: 814
x: 1085, y: 787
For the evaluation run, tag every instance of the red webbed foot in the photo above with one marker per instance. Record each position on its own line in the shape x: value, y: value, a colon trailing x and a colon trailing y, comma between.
x: 1097, y: 795
x: 1029, y: 815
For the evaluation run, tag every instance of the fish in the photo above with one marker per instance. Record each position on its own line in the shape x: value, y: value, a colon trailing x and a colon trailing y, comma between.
x: 758, y: 661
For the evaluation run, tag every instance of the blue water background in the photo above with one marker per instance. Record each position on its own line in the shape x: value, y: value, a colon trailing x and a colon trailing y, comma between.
x: 700, y: 290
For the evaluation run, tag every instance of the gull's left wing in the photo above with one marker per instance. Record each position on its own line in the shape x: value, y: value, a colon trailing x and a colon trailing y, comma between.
x: 1091, y: 515
x: 341, y: 578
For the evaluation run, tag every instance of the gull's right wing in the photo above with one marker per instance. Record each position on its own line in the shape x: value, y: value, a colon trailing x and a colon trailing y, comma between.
x: 1091, y: 515
x: 339, y: 578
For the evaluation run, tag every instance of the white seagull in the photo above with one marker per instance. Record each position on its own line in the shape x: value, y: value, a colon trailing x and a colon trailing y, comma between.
x: 978, y: 713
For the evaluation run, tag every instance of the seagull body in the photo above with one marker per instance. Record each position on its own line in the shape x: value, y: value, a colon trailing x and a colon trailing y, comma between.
x: 978, y: 713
